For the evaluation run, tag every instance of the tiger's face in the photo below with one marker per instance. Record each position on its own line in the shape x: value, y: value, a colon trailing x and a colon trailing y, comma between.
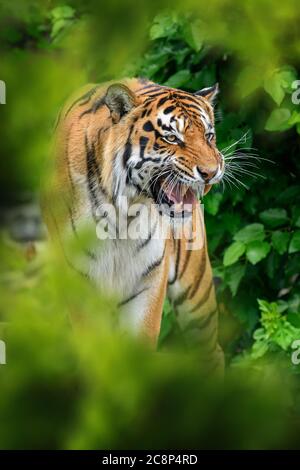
x: 170, y: 153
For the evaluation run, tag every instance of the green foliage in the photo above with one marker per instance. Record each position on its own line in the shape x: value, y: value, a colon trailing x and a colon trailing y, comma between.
x: 91, y: 387
x: 233, y: 253
x: 295, y: 242
x: 279, y: 83
x: 250, y: 233
x: 62, y: 18
x: 280, y: 241
x: 274, y: 217
x: 276, y: 331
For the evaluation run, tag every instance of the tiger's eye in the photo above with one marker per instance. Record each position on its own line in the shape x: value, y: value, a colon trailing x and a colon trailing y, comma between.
x: 171, y: 138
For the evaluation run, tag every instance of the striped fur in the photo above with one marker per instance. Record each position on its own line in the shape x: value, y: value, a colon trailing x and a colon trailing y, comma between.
x: 109, y: 142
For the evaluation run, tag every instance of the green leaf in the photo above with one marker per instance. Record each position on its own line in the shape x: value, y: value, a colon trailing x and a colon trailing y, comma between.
x: 282, y: 339
x: 295, y: 242
x: 203, y: 78
x: 288, y: 75
x: 274, y: 217
x: 259, y: 334
x: 164, y: 26
x: 272, y: 265
x: 257, y: 250
x: 179, y: 79
x: 280, y: 241
x: 250, y: 233
x: 212, y: 202
x: 259, y: 349
x: 296, y: 216
x: 289, y: 194
x: 249, y: 80
x: 273, y: 87
x: 233, y: 276
x: 58, y: 26
x: 278, y: 120
x: 63, y: 11
x: 231, y: 221
x: 280, y: 82
x: 294, y: 119
x: 233, y: 253
x: 294, y: 319
x: 192, y: 35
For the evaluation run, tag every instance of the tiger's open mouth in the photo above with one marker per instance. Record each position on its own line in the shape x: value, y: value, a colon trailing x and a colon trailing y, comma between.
x: 174, y: 200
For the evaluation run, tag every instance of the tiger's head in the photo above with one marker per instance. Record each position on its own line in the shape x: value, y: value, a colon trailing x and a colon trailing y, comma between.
x: 170, y: 152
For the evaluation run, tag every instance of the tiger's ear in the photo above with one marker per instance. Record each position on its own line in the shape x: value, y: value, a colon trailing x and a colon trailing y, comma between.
x: 120, y: 100
x: 209, y: 93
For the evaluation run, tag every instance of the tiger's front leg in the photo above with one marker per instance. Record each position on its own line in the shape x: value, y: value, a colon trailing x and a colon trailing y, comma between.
x: 141, y: 313
x: 191, y: 291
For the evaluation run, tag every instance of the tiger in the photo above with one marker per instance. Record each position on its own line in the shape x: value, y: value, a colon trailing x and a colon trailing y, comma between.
x: 136, y: 143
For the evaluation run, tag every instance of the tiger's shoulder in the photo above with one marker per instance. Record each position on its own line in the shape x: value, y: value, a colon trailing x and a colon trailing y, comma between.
x: 89, y: 97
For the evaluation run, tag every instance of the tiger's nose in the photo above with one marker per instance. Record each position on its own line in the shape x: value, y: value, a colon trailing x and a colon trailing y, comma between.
x: 206, y: 174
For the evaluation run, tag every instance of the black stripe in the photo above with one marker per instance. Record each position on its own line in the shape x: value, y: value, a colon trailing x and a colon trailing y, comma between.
x: 192, y: 106
x: 186, y: 262
x: 201, y: 323
x: 149, y: 111
x: 88, y: 253
x: 141, y: 163
x: 86, y: 97
x: 185, y: 96
x: 154, y: 265
x: 128, y: 148
x: 147, y: 240
x: 176, y: 263
x: 163, y: 100
x: 69, y: 171
x: 133, y: 296
x: 201, y: 273
x: 169, y: 109
x: 127, y: 153
x: 148, y: 126
x: 204, y: 298
x: 184, y: 172
x: 182, y: 297
x: 73, y: 225
x: 143, y: 143
x: 85, y: 275
x: 57, y: 121
x: 94, y: 108
x: 92, y: 172
x: 151, y: 94
x: 152, y: 88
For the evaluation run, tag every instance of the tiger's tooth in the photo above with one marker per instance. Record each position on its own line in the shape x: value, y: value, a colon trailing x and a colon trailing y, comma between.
x: 178, y: 206
x: 184, y: 190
